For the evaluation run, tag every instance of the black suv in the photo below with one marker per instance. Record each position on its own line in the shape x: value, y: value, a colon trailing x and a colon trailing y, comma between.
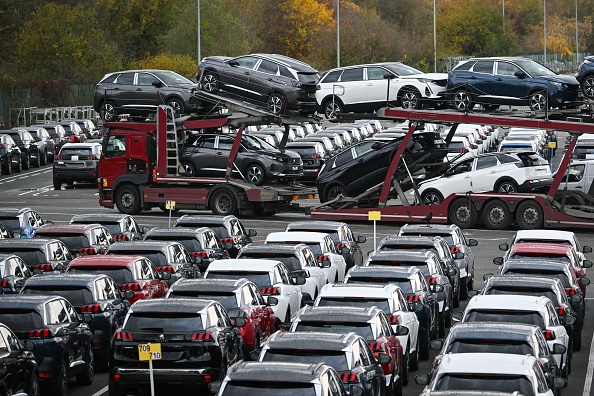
x: 279, y: 82
x: 140, y: 92
x: 45, y: 143
x: 28, y: 146
x: 10, y: 154
x: 40, y: 254
x: 96, y: 295
x: 256, y: 162
x: 63, y: 341
x: 198, y: 342
x: 19, y: 369
x: 585, y: 76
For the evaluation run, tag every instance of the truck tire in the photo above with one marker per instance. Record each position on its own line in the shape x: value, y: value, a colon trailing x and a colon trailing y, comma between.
x: 128, y: 200
x: 223, y: 202
x: 463, y: 213
x: 496, y: 215
x: 529, y: 215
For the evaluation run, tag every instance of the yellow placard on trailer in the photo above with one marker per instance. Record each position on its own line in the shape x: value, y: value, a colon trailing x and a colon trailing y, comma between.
x: 149, y: 352
x: 374, y: 215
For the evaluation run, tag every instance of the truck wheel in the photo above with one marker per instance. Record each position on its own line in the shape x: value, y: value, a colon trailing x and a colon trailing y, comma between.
x: 463, y: 213
x: 496, y: 215
x: 128, y: 200
x: 223, y: 202
x: 529, y: 215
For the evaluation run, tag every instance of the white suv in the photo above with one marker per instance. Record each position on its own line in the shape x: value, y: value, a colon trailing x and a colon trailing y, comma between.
x: 365, y: 88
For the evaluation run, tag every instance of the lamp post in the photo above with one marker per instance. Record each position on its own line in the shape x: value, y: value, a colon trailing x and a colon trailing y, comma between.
x: 434, y: 38
x: 198, y: 39
x: 577, y: 45
x: 503, y: 14
x: 545, y: 31
x: 337, y: 33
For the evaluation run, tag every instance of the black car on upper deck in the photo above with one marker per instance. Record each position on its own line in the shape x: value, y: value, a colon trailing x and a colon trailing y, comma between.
x: 278, y: 82
x: 198, y: 342
x: 63, y: 341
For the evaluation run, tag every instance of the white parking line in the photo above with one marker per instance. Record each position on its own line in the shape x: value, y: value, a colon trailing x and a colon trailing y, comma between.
x: 101, y: 391
x: 590, y: 372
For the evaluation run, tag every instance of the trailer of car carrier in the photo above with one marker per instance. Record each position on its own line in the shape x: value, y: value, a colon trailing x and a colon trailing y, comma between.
x: 146, y: 171
x: 468, y: 209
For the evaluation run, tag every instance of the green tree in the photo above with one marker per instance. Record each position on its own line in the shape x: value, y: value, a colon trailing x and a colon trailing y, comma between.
x: 182, y: 64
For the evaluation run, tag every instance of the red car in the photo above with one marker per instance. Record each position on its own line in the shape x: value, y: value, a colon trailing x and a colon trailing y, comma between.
x: 550, y: 251
x: 135, y: 273
x: 241, y: 298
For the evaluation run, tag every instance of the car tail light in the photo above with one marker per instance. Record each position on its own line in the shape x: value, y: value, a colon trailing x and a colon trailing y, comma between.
x: 549, y: 335
x: 92, y: 157
x: 394, y: 319
x: 202, y: 254
x: 227, y: 240
x: 2, y: 146
x: 455, y: 249
x: 570, y: 291
x: 93, y: 308
x: 464, y: 150
x: 322, y: 258
x: 117, y: 377
x: 561, y: 310
x: 121, y: 237
x: 132, y: 286
x: 207, y: 378
x: 123, y: 336
x: 316, y: 155
x: 45, y: 374
x: 271, y: 291
x: 432, y: 281
x: 166, y: 268
x: 5, y: 283
x: 340, y: 245
x: 349, y: 377
x: 202, y: 336
x: 87, y: 251
x: 43, y: 267
x: 413, y: 298
x: 41, y: 333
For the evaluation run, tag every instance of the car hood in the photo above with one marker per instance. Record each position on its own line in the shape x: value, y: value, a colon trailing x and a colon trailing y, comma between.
x: 565, y: 79
x: 428, y: 76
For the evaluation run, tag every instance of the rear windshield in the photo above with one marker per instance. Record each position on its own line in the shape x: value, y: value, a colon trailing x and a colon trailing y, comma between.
x: 164, y: 322
x: 21, y: 321
x: 525, y: 291
x: 483, y: 345
x: 558, y: 275
x: 261, y: 279
x: 156, y: 257
x: 556, y: 257
x: 29, y: 256
x: 190, y: 243
x: 423, y: 267
x: 336, y: 359
x: 355, y: 302
x: 275, y: 388
x: 456, y: 147
x: 292, y: 262
x: 70, y: 151
x: 11, y: 223
x: 402, y: 283
x: 227, y: 300
x: 218, y: 229
x: 447, y: 237
x: 303, y: 150
x: 72, y: 241
x: 120, y: 275
x: 361, y: 328
x: 308, y: 77
x: 524, y: 317
x: 78, y: 296
x: 499, y: 382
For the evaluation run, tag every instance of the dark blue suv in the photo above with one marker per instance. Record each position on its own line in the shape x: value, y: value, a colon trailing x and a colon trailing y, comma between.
x: 492, y: 82
x: 585, y: 75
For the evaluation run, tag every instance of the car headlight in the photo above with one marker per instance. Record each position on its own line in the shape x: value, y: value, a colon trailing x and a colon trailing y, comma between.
x: 425, y: 80
x: 276, y: 158
x: 561, y: 85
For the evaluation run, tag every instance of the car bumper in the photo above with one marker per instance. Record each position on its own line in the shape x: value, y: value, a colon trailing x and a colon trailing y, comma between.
x: 288, y: 171
x: 566, y: 98
x: 133, y: 377
x: 76, y: 175
x: 537, y: 185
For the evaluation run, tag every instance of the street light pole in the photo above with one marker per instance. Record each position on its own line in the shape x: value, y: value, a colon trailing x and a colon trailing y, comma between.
x: 434, y: 38
x: 577, y: 45
x: 199, y: 57
x: 545, y: 31
x: 503, y: 14
x: 337, y: 33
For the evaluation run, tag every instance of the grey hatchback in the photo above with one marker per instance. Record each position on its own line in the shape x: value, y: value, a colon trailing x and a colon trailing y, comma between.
x: 76, y: 162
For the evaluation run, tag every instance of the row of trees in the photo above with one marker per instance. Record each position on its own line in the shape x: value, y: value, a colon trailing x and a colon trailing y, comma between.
x: 48, y: 43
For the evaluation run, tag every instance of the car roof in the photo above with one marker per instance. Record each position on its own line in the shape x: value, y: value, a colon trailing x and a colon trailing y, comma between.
x: 492, y: 330
x: 67, y: 228
x: 189, y: 305
x: 401, y: 255
x: 421, y: 241
x: 293, y: 63
x: 249, y: 265
x: 81, y: 145
x: 178, y: 231
x: 509, y: 302
x: 112, y: 260
x: 545, y: 248
x: 204, y: 219
x: 310, y: 340
x: 272, y: 248
x: 25, y: 242
x: 350, y: 314
x: 545, y: 234
x: 6, y: 256
x: 209, y: 284
x: 537, y: 265
x: 4, y: 212
x: 316, y: 225
x: 442, y: 228
x: 508, y: 58
x: 25, y: 301
x: 527, y: 281
x: 99, y: 217
x: 140, y: 245
x: 369, y: 290
x: 383, y: 271
x: 64, y: 280
x: 296, y: 236
x: 487, y: 363
x: 275, y: 371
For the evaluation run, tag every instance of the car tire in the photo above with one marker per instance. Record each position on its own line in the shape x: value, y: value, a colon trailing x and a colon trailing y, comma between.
x: 277, y: 104
x: 538, y: 101
x: 334, y: 191
x: 332, y: 108
x: 42, y: 159
x: 496, y: 215
x: 410, y: 99
x: 59, y: 386
x: 529, y: 215
x: 8, y: 167
x: 588, y: 86
x: 86, y: 377
x: 189, y: 169
x: 463, y: 100
x: 37, y: 162
x: 431, y: 197
x: 413, y: 359
x: 34, y: 389
x: 577, y: 340
x: 209, y: 83
x: 463, y: 213
x: 108, y: 112
x: 112, y: 390
x: 57, y: 184
x: 464, y: 289
x: 27, y: 163
x: 128, y: 200
x: 507, y: 187
x: 19, y: 166
x: 223, y: 202
x: 456, y: 301
x: 255, y: 174
x: 177, y: 105
x: 441, y: 324
x: 405, y: 366
x: 425, y: 338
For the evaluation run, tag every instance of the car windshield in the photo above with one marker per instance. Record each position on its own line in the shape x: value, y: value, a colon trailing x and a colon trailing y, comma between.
x: 402, y: 70
x: 336, y: 359
x: 261, y: 279
x: 500, y: 315
x: 11, y: 223
x: 274, y: 388
x: 478, y: 382
x: 29, y: 256
x: 164, y: 322
x: 72, y: 241
x: 171, y: 78
x: 490, y: 345
x: 255, y: 143
x: 583, y: 152
x: 21, y: 321
x: 360, y: 302
x: 535, y: 69
x: 361, y: 328
x: 120, y: 274
x: 402, y: 283
x: 292, y: 262
x: 190, y: 243
x: 227, y: 300
x: 538, y: 272
x: 525, y: 291
x: 456, y: 147
x: 308, y: 77
x: 77, y: 295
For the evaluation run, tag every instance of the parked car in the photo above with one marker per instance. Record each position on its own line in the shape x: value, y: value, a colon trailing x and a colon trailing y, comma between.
x: 140, y: 92
x: 330, y: 148
x: 89, y: 129
x: 364, y: 165
x: 10, y: 154
x: 278, y: 82
x: 74, y: 132
x: 497, y: 81
x: 362, y: 88
x: 313, y: 155
x: 122, y: 227
x: 460, y: 148
x: 45, y: 144
x: 28, y: 146
x: 81, y: 239
x: 585, y: 76
x: 45, y: 255
x: 15, y: 219
x: 14, y: 273
x: 501, y: 172
x: 256, y: 161
x: 76, y: 162
x: 18, y: 358
x: 57, y: 133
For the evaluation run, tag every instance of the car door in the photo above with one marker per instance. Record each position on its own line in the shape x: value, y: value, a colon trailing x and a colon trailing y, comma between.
x: 80, y: 331
x: 575, y: 178
x: 281, y: 275
x: 122, y: 91
x: 507, y: 84
x: 8, y: 361
x: 147, y: 271
x: 377, y: 86
x: 203, y: 156
x: 237, y: 74
x: 482, y: 81
x: 222, y: 151
x: 457, y: 179
x: 267, y: 314
x: 355, y: 92
x: 17, y: 358
x: 485, y: 173
x: 231, y: 333
x: 266, y: 78
x: 145, y: 95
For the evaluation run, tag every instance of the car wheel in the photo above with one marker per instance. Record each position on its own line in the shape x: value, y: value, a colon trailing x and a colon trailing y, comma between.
x: 33, y: 389
x: 57, y: 184
x: 463, y: 100
x: 37, y: 161
x: 86, y: 377
x: 255, y: 174
x: 404, y: 366
x: 507, y: 187
x: 406, y: 158
x: 42, y: 159
x: 334, y: 191
x: 410, y: 99
x: 27, y: 162
x: 108, y: 112
x: 332, y: 108
x: 529, y: 215
x: 8, y: 167
x: 456, y: 301
x: 189, y: 169
x: 223, y: 202
x: 19, y: 166
x: 588, y: 87
x: 177, y: 105
x: 424, y: 335
x: 59, y: 386
x: 128, y: 200
x: 210, y: 83
x: 496, y: 215
x: 277, y: 104
x: 538, y: 101
x: 463, y: 213
x: 464, y: 289
x: 441, y: 324
x: 431, y: 197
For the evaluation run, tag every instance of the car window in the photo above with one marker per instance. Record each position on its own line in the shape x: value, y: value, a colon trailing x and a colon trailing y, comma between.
x: 212, y: 316
x: 363, y: 148
x: 56, y: 313
x: 402, y: 300
x: 462, y: 167
x: 483, y: 67
x: 283, y: 274
x: 386, y: 327
x: 486, y: 162
x: 553, y: 318
x: 366, y: 355
x: 125, y: 78
x: 257, y: 295
x: 224, y: 319
x: 235, y: 228
x: 72, y: 315
x: 268, y: 67
x: 507, y: 69
x: 246, y: 296
x: 225, y: 143
x: 116, y: 146
x: 285, y: 72
x: 332, y: 76
x: 376, y: 73
x: 10, y: 338
x: 540, y: 379
x: 146, y: 79
x: 352, y: 75
x: 3, y: 345
x: 542, y: 344
x: 247, y: 61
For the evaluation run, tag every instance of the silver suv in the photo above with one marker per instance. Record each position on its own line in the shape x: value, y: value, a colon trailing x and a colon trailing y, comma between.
x: 76, y: 162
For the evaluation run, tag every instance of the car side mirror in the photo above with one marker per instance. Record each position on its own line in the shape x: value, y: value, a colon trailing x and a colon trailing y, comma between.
x: 233, y: 63
x: 472, y: 293
x: 575, y: 298
x: 164, y: 275
x: 458, y: 255
x: 586, y: 264
x: 559, y: 383
x: 436, y: 345
x: 586, y: 249
x: 422, y: 379
x: 417, y: 307
x: 558, y: 349
x: 214, y: 387
x: 239, y: 322
x: 86, y: 318
x: 504, y: 247
x: 255, y: 355
x: 498, y: 260
x: 362, y: 239
x: 227, y: 245
x: 326, y: 263
x: 473, y: 146
x: 457, y: 316
x: 568, y: 320
x: 472, y: 242
x: 402, y: 330
x: 520, y: 74
x: 298, y: 280
x: 436, y: 288
x: 584, y: 281
x: 128, y: 294
x: 272, y: 301
x: 452, y: 271
x: 28, y: 345
x: 252, y: 232
x: 383, y: 358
